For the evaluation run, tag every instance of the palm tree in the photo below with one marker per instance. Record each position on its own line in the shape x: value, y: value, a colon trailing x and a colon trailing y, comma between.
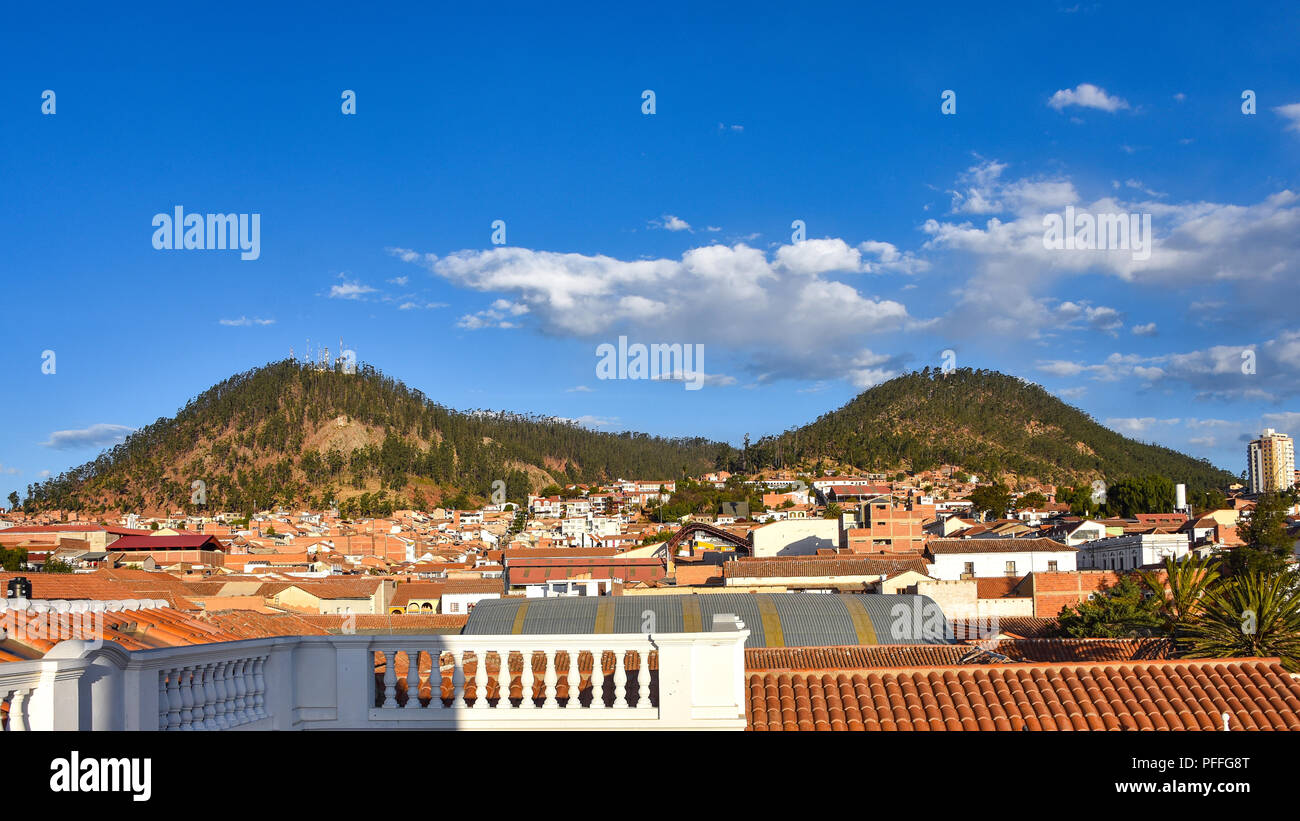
x: 1181, y: 591
x: 1250, y: 615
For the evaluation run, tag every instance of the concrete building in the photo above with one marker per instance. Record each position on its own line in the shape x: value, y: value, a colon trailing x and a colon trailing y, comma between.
x: 880, y: 526
x: 1133, y: 550
x: 1270, y: 462
x: 796, y: 537
x: 954, y: 559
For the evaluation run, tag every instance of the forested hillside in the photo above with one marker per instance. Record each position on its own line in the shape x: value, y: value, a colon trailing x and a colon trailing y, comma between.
x: 988, y: 423
x: 288, y: 433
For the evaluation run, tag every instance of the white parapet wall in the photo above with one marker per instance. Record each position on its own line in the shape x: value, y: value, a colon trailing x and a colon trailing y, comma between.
x: 667, y: 681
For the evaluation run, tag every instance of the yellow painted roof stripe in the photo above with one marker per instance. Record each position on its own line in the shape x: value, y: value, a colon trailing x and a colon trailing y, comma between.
x: 772, y: 633
x: 604, y: 616
x: 691, y: 618
x: 861, y: 620
x: 518, y: 626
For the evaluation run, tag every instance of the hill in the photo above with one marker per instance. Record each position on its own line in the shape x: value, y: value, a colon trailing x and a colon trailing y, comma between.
x: 986, y: 422
x: 290, y: 433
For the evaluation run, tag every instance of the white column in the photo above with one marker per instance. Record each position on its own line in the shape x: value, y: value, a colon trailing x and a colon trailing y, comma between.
x: 390, y: 678
x: 620, y: 678
x: 597, y: 680
x: 412, y: 679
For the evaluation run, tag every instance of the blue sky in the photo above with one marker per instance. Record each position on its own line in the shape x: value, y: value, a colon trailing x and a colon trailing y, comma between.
x: 923, y: 230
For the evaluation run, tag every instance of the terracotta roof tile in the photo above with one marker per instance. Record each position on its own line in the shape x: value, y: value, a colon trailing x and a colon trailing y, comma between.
x: 1167, y: 695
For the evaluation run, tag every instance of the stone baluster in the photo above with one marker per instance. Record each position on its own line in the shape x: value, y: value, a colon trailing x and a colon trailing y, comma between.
x: 18, y: 719
x: 390, y: 678
x: 458, y: 678
x: 526, y: 681
x: 200, y: 698
x: 209, y: 699
x: 185, y: 683
x: 620, y: 678
x: 412, y: 679
x: 597, y: 680
x: 250, y: 691
x: 259, y: 679
x: 173, y: 699
x: 241, y: 705
x: 163, y: 705
x: 221, y: 680
x: 504, y: 679
x: 574, y: 678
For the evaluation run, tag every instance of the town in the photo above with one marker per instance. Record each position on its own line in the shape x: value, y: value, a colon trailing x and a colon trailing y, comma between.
x: 807, y: 601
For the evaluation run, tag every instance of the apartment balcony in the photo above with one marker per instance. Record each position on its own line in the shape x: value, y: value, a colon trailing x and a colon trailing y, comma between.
x: 675, y: 681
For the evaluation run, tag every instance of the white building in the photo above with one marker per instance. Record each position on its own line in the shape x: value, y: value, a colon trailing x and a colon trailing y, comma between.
x: 955, y: 559
x: 569, y: 587
x: 1270, y: 462
x: 796, y: 537
x: 1133, y: 550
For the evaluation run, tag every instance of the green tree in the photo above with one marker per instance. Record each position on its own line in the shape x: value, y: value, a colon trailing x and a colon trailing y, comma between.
x: 1179, y: 596
x: 1118, y: 611
x: 56, y: 566
x: 994, y: 499
x: 1145, y: 494
x: 833, y: 511
x: 1031, y: 501
x: 1205, y: 500
x: 13, y: 558
x: 1268, y: 546
x: 1253, y: 614
x: 13, y: 500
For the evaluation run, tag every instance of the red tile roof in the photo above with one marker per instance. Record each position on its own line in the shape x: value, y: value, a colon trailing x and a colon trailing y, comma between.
x: 1156, y: 695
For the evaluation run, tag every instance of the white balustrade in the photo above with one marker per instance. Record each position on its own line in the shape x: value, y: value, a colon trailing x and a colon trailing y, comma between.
x: 331, y: 682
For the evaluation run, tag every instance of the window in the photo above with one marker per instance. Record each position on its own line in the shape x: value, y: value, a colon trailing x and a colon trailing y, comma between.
x: 1011, y: 568
x: 455, y: 607
x: 1051, y: 567
x: 969, y: 569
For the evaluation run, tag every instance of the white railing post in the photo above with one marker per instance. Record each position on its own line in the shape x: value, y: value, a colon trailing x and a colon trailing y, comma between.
x: 412, y: 679
x: 526, y: 681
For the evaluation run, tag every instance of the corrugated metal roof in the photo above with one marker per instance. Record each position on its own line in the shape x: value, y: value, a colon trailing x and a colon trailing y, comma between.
x: 773, y: 619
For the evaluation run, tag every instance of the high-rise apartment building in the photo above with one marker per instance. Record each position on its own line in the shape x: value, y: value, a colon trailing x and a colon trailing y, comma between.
x: 1270, y: 462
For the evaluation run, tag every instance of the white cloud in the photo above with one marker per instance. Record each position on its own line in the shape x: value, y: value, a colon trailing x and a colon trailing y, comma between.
x: 1291, y: 113
x: 578, y: 389
x: 1086, y: 95
x: 399, y: 280
x: 589, y: 421
x: 1137, y: 425
x: 410, y: 306
x: 819, y: 256
x: 1149, y: 329
x: 1252, y: 249
x: 737, y: 298
x: 671, y: 223
x: 498, y: 316
x: 244, y: 321
x: 714, y: 379
x: 350, y: 290
x: 96, y: 436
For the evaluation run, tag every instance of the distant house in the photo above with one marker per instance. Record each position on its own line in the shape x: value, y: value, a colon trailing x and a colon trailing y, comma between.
x: 954, y: 559
x: 460, y: 595
x: 1133, y: 550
